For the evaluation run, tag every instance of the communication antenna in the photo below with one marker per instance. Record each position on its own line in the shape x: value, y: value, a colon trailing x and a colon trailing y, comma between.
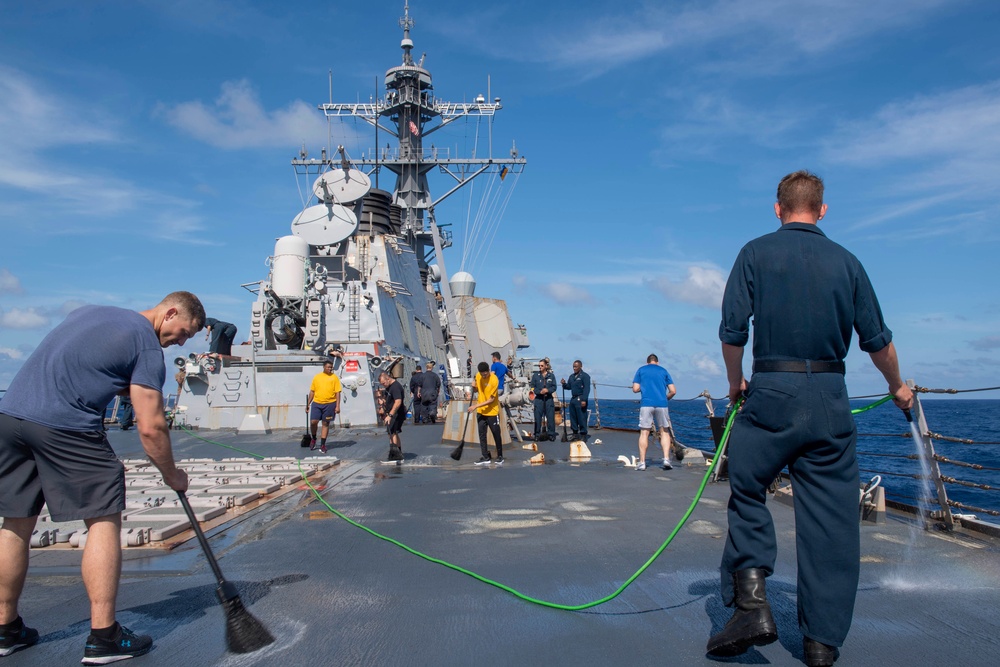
x: 406, y: 23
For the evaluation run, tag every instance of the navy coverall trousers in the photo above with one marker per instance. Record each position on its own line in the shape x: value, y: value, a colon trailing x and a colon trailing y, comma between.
x: 577, y: 416
x: 547, y: 409
x: 804, y: 421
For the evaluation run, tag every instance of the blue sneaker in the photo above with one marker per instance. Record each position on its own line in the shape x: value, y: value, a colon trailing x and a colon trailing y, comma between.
x: 125, y: 644
x: 15, y: 640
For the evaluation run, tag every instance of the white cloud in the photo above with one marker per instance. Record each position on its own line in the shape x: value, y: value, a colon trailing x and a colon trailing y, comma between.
x: 735, y: 31
x: 706, y: 365
x: 36, y: 317
x: 944, y: 150
x: 566, y: 294
x: 34, y: 121
x: 702, y: 286
x: 11, y: 353
x: 987, y: 343
x: 963, y: 122
x: 181, y: 227
x: 711, y: 122
x: 23, y: 318
x: 237, y: 119
x: 9, y: 283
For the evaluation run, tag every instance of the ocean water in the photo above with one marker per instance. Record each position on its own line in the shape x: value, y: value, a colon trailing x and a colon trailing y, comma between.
x: 884, y: 442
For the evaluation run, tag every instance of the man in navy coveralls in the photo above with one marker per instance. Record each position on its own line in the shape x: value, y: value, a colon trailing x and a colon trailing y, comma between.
x: 805, y: 295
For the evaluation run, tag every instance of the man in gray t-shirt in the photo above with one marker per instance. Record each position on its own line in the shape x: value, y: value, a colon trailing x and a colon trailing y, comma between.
x: 54, y: 451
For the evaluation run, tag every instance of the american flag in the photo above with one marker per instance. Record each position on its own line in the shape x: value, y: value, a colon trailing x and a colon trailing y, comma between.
x: 414, y: 129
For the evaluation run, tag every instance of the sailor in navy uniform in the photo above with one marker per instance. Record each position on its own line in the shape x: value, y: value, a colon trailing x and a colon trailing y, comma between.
x: 805, y: 295
x: 579, y: 390
x: 543, y: 383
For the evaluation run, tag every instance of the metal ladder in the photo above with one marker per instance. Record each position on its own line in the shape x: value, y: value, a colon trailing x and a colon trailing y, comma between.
x: 353, y: 323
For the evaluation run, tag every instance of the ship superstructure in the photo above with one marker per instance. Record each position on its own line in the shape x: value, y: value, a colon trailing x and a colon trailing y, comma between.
x: 362, y: 277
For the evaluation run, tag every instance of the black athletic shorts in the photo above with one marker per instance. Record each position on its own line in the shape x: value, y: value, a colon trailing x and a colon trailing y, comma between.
x: 397, y: 421
x: 75, y: 473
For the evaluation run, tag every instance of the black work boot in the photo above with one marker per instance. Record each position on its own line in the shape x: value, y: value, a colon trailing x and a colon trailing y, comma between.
x: 818, y: 654
x: 751, y: 624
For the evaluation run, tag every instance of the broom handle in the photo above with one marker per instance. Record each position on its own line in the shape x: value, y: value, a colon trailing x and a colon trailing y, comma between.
x: 201, y: 538
x: 465, y: 425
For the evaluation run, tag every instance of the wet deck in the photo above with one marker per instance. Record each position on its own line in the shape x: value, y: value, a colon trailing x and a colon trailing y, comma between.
x: 564, y: 532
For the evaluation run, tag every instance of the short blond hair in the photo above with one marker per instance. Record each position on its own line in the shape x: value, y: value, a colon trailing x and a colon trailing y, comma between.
x: 800, y: 191
x: 187, y: 303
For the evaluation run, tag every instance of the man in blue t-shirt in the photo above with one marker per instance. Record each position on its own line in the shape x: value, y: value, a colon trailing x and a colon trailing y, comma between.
x: 500, y: 370
x: 656, y: 386
x: 54, y: 451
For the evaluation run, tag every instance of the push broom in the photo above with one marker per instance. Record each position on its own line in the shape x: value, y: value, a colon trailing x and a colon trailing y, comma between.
x: 457, y: 452
x: 307, y: 436
x: 244, y: 633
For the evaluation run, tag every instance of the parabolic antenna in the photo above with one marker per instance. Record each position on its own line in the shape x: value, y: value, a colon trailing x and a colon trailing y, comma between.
x: 325, y: 224
x: 342, y: 186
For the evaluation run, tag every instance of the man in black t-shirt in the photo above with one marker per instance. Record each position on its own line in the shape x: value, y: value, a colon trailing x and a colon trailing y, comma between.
x: 395, y: 414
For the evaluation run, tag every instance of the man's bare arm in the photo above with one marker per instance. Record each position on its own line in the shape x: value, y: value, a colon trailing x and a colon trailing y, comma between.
x: 887, y: 363
x: 396, y: 405
x: 733, y: 356
x: 155, y: 435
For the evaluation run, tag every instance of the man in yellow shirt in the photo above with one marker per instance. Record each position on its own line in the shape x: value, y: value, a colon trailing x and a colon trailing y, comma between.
x: 324, y: 396
x: 488, y: 409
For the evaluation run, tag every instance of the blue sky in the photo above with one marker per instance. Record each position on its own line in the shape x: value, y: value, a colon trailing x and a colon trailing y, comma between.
x: 146, y: 147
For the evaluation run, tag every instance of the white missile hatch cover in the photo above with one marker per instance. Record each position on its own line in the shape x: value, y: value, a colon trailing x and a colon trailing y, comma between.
x: 325, y: 224
x: 491, y: 320
x: 342, y: 186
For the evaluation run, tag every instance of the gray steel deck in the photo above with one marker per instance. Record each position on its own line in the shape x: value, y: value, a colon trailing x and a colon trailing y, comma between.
x: 564, y: 532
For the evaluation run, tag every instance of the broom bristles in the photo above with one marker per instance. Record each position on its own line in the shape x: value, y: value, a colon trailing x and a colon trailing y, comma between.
x: 457, y: 452
x: 244, y: 633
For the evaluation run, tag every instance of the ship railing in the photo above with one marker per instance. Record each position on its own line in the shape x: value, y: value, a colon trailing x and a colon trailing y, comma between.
x: 935, y: 506
x: 430, y: 153
x: 446, y: 236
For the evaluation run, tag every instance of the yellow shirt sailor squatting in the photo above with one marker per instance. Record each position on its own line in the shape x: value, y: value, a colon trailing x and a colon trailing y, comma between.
x: 325, y: 388
x: 488, y: 393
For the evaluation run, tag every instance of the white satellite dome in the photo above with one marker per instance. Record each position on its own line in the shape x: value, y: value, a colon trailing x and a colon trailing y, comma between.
x: 462, y: 284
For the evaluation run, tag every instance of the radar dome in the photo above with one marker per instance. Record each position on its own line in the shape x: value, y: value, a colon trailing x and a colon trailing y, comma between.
x: 462, y: 284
